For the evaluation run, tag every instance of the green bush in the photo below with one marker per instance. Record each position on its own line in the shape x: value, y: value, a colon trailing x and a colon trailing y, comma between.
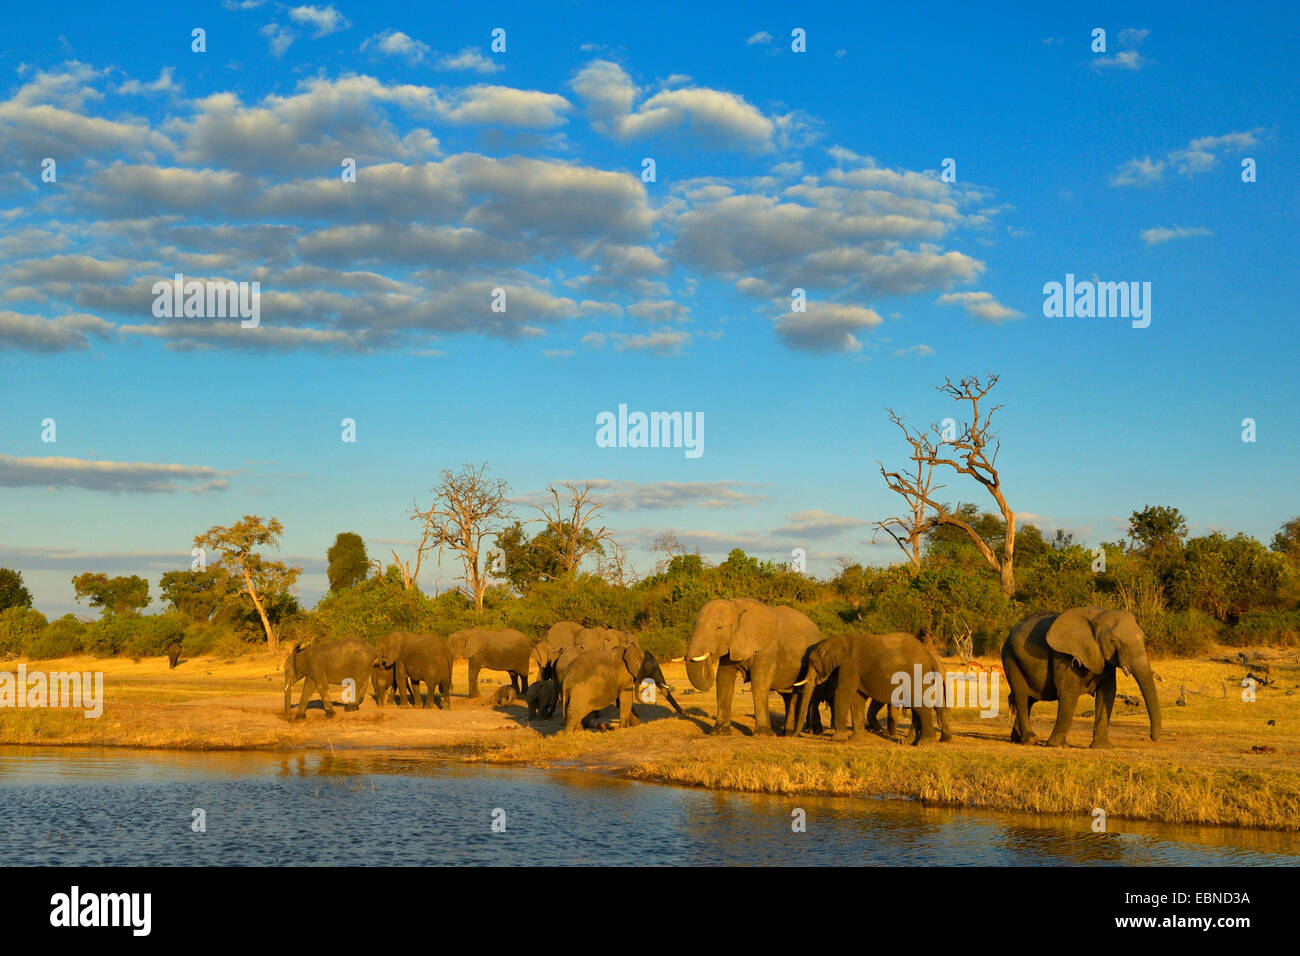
x: 1281, y: 628
x: 19, y: 627
x: 1180, y: 633
x: 62, y: 638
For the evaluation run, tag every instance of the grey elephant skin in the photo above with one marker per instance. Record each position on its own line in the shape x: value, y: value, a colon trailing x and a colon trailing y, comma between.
x: 572, y: 636
x: 766, y: 645
x: 541, y: 697
x: 506, y: 650
x: 609, y: 676
x: 173, y: 654
x: 417, y: 658
x: 1059, y: 657
x: 864, y: 666
x: 320, y: 665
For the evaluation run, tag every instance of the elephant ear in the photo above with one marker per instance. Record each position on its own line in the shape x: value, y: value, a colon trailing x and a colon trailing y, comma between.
x: 829, y: 655
x: 1073, y: 634
x: 754, y: 626
x: 633, y: 658
x: 1118, y: 632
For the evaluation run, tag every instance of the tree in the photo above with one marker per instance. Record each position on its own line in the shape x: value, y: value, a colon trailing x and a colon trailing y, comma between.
x: 117, y: 595
x: 1285, y: 542
x: 13, y: 593
x: 236, y: 544
x: 466, y: 509
x: 196, y: 594
x: 568, y: 526
x: 348, y: 563
x: 974, y: 453
x: 915, y: 489
x: 528, y: 561
x: 1157, y: 529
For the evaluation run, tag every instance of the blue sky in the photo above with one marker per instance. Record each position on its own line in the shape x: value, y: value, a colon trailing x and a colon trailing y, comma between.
x: 522, y: 170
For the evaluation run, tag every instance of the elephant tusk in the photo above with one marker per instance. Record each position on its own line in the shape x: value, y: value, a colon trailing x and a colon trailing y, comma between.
x: 702, y: 657
x: 800, y: 683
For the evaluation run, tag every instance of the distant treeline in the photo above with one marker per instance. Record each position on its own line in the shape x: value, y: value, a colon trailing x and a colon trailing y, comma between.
x: 1187, y: 592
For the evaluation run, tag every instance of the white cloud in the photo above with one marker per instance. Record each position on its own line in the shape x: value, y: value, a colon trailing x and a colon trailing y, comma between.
x: 469, y: 59
x: 1199, y: 156
x: 278, y: 38
x: 1158, y: 234
x: 826, y: 327
x: 982, y: 305
x: 761, y: 38
x: 324, y: 20
x: 396, y: 43
x: 113, y: 476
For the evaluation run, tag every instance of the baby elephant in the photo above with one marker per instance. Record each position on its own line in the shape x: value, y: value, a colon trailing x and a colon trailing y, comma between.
x: 542, y: 696
x: 418, y: 657
x: 504, y: 695
x: 173, y: 654
x: 597, y: 679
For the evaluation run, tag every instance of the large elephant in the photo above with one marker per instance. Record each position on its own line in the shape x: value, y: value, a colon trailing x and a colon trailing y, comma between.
x: 602, y: 638
x: 416, y: 658
x: 1060, y: 656
x: 869, y: 666
x: 764, y: 644
x: 332, y: 662
x: 507, y: 650
x: 562, y: 634
x: 173, y: 654
x: 613, y: 675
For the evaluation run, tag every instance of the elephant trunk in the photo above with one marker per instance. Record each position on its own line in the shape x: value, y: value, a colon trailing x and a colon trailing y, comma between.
x: 702, y: 669
x: 668, y: 694
x: 805, y: 691
x: 288, y: 688
x: 1147, y: 684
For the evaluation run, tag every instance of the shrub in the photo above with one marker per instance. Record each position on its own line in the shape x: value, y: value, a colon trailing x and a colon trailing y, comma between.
x: 62, y: 638
x: 19, y: 626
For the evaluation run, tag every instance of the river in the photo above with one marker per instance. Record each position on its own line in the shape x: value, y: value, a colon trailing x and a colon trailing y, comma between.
x: 86, y: 807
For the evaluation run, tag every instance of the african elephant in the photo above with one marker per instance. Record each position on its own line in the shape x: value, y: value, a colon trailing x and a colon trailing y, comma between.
x: 507, y: 650
x: 764, y: 644
x: 600, y: 678
x: 332, y: 662
x: 542, y: 696
x: 416, y: 658
x: 383, y: 681
x: 173, y: 654
x: 563, y: 634
x: 505, y: 694
x: 869, y: 666
x: 602, y: 638
x: 1060, y: 656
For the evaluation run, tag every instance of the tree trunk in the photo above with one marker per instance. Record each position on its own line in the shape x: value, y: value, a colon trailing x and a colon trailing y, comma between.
x: 271, y: 642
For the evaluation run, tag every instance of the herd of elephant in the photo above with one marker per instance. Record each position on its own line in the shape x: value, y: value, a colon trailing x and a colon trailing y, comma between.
x: 582, y: 670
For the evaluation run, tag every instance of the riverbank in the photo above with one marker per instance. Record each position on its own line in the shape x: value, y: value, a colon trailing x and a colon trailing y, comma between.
x: 1221, y: 760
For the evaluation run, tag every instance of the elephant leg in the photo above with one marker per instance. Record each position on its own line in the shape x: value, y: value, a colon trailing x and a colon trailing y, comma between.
x: 308, y: 689
x: 857, y: 712
x: 945, y: 726
x: 872, y: 710
x: 474, y: 667
x: 923, y: 717
x: 324, y: 688
x: 1020, y: 701
x: 428, y: 693
x: 444, y: 692
x: 1104, y: 702
x: 845, y: 691
x: 399, y: 687
x: 626, y: 714
x: 726, y: 690
x: 1067, y: 698
x: 762, y: 715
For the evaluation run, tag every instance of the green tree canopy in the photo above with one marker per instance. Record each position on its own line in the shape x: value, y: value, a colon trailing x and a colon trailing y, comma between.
x: 116, y: 595
x: 348, y: 564
x: 1157, y: 528
x: 12, y: 591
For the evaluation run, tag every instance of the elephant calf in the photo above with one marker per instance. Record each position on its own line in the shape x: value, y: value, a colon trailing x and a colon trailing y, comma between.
x: 542, y: 696
x: 415, y: 658
x: 597, y: 679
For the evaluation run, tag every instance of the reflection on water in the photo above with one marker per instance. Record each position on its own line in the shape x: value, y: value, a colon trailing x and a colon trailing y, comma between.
x: 64, y: 806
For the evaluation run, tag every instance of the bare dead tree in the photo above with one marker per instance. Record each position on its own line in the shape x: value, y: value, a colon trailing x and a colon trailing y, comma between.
x: 570, y: 536
x: 616, y: 567
x: 972, y: 452
x: 909, y: 528
x: 467, y: 508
